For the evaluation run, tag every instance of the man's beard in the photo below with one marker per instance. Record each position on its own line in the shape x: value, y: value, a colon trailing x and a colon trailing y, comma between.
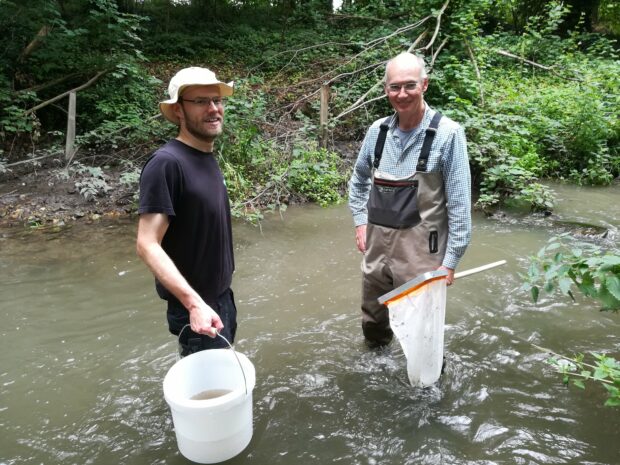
x: 196, y: 129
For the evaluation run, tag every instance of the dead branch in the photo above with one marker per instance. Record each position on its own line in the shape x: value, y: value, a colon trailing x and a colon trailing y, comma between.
x: 378, y: 83
x: 551, y: 69
x: 50, y: 83
x: 443, y: 43
x: 415, y: 43
x: 353, y: 108
x: 398, y: 31
x: 338, y: 16
x: 30, y: 160
x: 368, y: 46
x: 357, y: 71
x: 478, y: 75
x: 411, y: 48
x: 64, y: 94
x: 34, y: 43
x: 437, y: 25
x: 297, y: 51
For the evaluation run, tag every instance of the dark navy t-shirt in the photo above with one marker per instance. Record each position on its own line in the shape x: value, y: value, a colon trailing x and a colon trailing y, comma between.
x: 188, y: 186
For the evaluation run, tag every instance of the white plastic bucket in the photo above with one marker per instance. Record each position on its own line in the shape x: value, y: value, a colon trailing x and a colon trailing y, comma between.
x: 212, y: 430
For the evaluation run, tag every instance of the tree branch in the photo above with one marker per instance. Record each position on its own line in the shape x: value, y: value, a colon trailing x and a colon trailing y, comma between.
x: 34, y: 43
x: 64, y: 94
x: 478, y: 75
x: 50, y: 83
x: 551, y: 69
x: 353, y: 108
x: 437, y: 25
x: 443, y: 43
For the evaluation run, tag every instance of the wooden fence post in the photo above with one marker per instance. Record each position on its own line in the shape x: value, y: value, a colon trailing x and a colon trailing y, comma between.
x: 324, y: 115
x: 70, y: 144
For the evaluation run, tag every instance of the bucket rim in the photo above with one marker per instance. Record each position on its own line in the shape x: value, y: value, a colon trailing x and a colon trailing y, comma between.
x: 228, y: 400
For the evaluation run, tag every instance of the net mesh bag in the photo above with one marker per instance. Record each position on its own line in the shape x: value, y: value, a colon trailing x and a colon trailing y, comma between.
x: 417, y: 318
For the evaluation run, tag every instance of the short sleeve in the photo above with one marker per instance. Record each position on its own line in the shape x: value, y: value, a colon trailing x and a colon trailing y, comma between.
x: 160, y: 184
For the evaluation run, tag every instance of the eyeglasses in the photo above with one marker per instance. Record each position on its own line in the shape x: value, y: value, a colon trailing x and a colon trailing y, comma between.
x: 205, y: 101
x: 408, y: 86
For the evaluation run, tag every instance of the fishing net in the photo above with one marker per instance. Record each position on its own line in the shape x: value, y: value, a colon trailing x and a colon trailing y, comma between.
x: 417, y: 315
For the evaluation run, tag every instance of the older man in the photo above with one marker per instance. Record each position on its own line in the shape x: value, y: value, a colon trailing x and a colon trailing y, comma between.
x: 184, y: 231
x: 410, y: 194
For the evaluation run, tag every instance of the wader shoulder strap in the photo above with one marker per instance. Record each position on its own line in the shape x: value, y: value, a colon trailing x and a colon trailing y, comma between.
x: 383, y: 129
x: 428, y: 142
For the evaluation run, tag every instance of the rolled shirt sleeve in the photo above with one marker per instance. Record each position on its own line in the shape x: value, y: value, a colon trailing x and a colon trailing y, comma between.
x: 451, y: 160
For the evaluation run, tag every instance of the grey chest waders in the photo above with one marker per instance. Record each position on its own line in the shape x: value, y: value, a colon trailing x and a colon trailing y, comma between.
x: 406, y: 235
x: 407, y: 217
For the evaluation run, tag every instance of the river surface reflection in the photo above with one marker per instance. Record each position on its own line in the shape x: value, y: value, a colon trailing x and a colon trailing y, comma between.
x: 85, y: 350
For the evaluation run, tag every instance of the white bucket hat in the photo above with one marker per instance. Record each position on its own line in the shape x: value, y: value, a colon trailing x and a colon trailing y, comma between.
x: 192, y: 76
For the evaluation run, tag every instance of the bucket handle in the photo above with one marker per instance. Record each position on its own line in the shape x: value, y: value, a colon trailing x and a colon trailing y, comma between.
x: 245, y: 382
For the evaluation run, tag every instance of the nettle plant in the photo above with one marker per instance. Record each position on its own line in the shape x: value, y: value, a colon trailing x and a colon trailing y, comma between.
x: 596, y: 273
x: 90, y: 181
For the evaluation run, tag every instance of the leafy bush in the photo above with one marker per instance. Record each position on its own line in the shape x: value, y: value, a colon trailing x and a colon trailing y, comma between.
x: 126, y: 110
x: 316, y: 175
x: 595, y: 272
x: 600, y: 368
x: 89, y: 180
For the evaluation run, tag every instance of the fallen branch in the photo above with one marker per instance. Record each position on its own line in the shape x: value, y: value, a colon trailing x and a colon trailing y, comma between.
x: 295, y: 52
x: 363, y: 104
x: 437, y: 25
x: 432, y: 64
x: 338, y: 16
x: 30, y: 160
x: 34, y: 43
x: 50, y: 83
x: 411, y: 48
x: 64, y: 94
x: 551, y: 69
x: 378, y: 84
x: 478, y: 75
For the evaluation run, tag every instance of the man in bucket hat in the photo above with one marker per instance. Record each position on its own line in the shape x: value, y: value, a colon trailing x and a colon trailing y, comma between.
x: 184, y: 231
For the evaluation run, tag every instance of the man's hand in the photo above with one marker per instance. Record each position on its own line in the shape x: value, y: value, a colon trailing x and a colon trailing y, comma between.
x: 360, y: 237
x: 450, y: 277
x: 204, y: 320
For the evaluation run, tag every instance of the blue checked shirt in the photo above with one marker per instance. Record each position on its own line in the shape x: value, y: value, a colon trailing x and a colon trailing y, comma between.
x: 448, y: 156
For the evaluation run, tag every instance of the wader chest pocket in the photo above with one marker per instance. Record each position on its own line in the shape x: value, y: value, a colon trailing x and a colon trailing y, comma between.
x: 393, y: 203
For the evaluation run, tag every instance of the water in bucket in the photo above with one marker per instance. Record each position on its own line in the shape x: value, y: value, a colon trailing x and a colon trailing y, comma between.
x: 216, y: 428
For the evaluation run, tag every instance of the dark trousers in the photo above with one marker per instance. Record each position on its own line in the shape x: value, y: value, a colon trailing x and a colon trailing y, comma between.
x: 191, y: 342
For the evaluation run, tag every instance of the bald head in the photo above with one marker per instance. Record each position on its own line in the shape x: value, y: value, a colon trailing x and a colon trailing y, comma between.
x: 407, y: 61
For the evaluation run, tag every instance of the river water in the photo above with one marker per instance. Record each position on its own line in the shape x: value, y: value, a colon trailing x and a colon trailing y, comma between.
x: 85, y: 350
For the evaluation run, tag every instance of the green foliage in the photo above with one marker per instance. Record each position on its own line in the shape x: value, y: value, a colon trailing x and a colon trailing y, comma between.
x: 69, y: 43
x: 316, y: 174
x: 554, y: 116
x: 557, y: 266
x: 125, y: 104
x: 600, y: 368
x: 261, y: 174
x: 89, y: 180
